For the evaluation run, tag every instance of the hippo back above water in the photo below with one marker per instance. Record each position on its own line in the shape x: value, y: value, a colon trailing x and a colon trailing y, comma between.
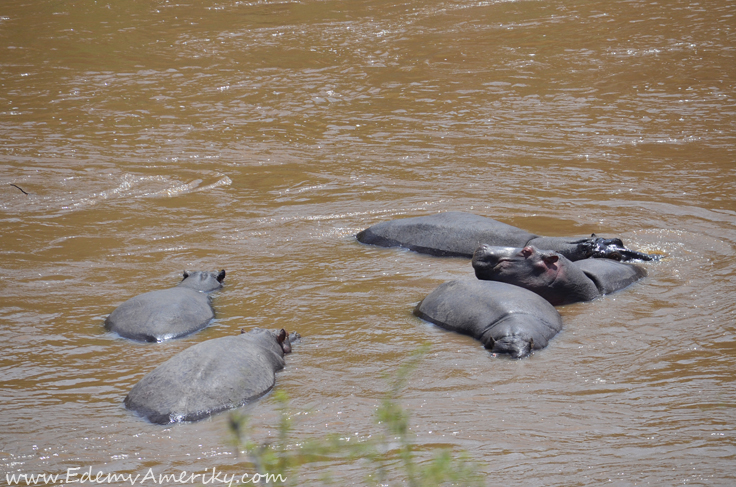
x: 504, y: 318
x: 212, y: 376
x: 452, y: 234
x: 168, y: 313
x: 458, y: 234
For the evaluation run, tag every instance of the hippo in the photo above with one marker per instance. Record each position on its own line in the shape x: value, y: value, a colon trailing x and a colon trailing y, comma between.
x: 212, y: 376
x: 503, y: 317
x: 168, y: 313
x: 551, y: 275
x: 458, y: 234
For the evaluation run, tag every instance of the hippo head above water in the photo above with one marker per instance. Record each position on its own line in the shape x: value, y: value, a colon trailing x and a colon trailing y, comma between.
x: 544, y: 272
x: 517, y: 265
x: 203, y: 281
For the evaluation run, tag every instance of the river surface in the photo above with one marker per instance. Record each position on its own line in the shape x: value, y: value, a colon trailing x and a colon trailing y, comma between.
x: 145, y: 138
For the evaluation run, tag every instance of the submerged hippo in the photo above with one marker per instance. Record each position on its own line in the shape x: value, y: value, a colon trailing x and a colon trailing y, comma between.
x: 210, y: 377
x: 458, y: 234
x: 551, y: 275
x: 503, y: 317
x: 169, y: 313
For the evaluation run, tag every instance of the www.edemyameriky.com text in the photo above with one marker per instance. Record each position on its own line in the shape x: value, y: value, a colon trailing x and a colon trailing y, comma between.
x: 89, y: 476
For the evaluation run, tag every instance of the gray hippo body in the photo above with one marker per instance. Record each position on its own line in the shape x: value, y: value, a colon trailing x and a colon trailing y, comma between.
x: 610, y: 276
x: 168, y: 313
x: 458, y: 234
x: 210, y: 377
x: 503, y: 317
x: 551, y: 275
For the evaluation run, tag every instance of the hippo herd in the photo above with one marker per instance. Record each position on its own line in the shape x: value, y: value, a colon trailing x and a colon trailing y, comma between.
x: 508, y: 307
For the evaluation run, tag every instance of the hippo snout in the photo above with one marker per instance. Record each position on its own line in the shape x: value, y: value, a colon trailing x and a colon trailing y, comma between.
x: 486, y: 258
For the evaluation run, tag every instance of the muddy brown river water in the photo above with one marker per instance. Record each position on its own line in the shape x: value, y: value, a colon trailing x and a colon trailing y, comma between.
x: 145, y: 138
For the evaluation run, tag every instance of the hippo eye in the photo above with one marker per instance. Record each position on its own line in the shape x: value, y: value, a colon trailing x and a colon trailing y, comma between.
x: 526, y: 251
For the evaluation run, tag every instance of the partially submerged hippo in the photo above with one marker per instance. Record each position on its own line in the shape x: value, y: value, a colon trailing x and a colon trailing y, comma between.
x: 210, y: 377
x: 458, y: 234
x: 551, y: 275
x: 505, y: 318
x: 168, y: 313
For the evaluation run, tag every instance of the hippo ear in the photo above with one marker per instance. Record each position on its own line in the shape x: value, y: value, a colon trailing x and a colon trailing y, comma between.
x: 242, y: 330
x: 221, y: 276
x: 186, y: 274
x: 281, y: 336
x: 283, y: 341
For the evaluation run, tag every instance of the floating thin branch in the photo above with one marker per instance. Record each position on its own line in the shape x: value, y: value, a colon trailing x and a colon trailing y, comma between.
x: 21, y: 189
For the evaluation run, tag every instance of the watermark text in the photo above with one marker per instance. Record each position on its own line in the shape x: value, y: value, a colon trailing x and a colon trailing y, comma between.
x: 89, y: 476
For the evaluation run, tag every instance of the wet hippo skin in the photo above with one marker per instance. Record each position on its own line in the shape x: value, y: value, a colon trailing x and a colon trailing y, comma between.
x: 168, y: 313
x: 458, y: 234
x: 551, y: 275
x: 210, y: 377
x: 503, y: 317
